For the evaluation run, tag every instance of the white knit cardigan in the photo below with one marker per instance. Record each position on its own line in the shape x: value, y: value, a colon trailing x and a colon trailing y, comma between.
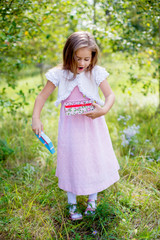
x: 87, y: 83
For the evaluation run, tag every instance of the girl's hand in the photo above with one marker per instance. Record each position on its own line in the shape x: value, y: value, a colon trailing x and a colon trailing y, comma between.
x: 97, y: 112
x: 37, y: 126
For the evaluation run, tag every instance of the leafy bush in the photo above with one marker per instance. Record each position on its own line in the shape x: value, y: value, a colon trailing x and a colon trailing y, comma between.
x: 5, y: 150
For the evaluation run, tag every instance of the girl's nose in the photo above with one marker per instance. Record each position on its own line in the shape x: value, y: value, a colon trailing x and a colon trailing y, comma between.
x: 81, y: 62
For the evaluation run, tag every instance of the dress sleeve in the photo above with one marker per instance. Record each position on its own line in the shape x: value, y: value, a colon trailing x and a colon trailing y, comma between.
x: 100, y: 74
x: 53, y: 75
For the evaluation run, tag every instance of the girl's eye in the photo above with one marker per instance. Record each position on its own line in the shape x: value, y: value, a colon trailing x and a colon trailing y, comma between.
x: 84, y: 59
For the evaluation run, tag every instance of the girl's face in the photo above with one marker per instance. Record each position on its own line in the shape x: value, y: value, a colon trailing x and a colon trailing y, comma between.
x: 83, y: 58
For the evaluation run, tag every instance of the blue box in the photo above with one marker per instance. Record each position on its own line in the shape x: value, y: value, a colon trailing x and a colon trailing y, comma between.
x: 46, y: 141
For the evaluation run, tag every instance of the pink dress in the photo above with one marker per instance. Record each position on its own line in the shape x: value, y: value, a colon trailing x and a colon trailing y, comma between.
x: 86, y: 162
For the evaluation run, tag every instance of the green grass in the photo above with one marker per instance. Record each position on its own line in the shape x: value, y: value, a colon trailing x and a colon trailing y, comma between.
x: 31, y: 204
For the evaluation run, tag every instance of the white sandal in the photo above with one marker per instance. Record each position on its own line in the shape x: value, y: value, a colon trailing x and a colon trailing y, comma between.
x: 90, y: 210
x: 74, y: 214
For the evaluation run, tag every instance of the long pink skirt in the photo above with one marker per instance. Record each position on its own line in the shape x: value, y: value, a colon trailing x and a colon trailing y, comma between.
x: 86, y: 162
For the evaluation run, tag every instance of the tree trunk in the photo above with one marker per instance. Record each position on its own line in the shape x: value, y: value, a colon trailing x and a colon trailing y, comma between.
x: 159, y: 71
x: 95, y: 22
x: 41, y: 72
x: 158, y: 109
x: 94, y: 12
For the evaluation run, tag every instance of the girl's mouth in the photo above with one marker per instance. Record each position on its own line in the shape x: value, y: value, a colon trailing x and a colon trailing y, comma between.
x: 80, y: 68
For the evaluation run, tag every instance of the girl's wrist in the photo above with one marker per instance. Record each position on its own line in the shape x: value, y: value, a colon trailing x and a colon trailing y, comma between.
x: 104, y: 111
x: 35, y: 117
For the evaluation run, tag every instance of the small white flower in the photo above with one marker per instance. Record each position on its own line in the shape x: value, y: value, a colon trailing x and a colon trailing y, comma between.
x: 128, y: 117
x: 158, y: 160
x: 121, y: 117
x: 32, y: 168
x: 94, y: 232
x: 152, y: 150
x: 135, y: 231
x: 124, y: 140
x: 128, y: 134
x: 131, y: 131
x: 150, y: 159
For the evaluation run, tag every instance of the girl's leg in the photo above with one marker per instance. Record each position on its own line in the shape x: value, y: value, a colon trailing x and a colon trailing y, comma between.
x: 91, y: 207
x: 92, y: 199
x: 71, y: 198
x: 72, y: 201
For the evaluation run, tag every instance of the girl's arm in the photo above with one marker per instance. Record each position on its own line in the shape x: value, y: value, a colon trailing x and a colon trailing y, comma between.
x: 37, y: 126
x: 109, y: 100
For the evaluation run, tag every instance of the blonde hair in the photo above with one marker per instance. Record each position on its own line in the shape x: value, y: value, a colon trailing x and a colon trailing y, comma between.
x: 74, y: 42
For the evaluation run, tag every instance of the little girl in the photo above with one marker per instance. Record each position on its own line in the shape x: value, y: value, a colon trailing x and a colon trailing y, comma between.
x: 86, y: 163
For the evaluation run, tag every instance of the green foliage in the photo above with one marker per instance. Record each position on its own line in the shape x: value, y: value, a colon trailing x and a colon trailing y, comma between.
x: 14, y: 99
x: 34, y: 32
x: 14, y: 46
x: 5, y: 150
x: 10, y: 104
x: 128, y: 26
